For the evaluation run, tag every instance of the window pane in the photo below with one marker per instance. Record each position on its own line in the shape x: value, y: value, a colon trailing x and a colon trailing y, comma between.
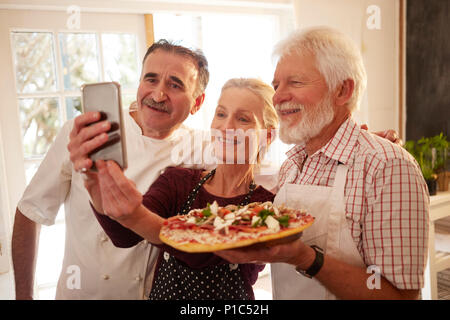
x: 255, y: 37
x: 31, y: 167
x: 183, y: 29
x: 73, y: 107
x: 34, y: 61
x: 40, y: 124
x: 50, y: 257
x: 79, y: 56
x: 120, y: 59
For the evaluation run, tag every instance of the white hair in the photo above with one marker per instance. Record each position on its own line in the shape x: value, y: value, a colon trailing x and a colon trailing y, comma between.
x: 337, y: 57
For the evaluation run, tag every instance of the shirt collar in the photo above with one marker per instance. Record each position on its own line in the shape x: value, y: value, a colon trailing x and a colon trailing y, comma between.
x: 339, y: 148
x: 297, y: 154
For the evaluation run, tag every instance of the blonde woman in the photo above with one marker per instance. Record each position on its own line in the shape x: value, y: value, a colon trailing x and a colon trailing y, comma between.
x: 245, y: 106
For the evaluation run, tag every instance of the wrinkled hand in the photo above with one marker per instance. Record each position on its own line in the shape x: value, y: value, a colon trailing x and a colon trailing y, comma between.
x: 119, y: 195
x: 390, y: 135
x: 92, y: 186
x: 86, y: 137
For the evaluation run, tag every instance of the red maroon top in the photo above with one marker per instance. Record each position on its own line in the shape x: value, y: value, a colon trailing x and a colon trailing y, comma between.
x: 166, y: 197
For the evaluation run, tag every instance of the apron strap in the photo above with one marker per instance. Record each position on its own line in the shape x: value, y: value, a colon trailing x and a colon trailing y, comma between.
x: 337, y: 217
x: 340, y: 180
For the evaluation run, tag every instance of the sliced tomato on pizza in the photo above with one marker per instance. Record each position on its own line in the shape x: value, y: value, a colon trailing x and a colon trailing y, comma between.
x: 217, y: 228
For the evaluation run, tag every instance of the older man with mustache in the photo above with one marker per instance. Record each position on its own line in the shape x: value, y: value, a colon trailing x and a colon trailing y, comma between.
x: 368, y: 196
x: 171, y: 87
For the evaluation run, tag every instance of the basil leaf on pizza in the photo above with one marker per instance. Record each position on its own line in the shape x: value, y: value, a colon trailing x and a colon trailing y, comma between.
x: 217, y: 228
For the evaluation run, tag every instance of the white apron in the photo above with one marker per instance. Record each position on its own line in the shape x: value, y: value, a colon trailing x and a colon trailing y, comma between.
x: 329, y: 231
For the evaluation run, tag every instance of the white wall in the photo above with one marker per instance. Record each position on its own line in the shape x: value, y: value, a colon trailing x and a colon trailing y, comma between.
x: 379, y: 49
x: 152, y: 6
x: 6, y: 278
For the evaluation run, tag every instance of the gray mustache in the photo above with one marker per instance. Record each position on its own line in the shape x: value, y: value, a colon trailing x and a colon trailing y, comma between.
x: 157, y: 105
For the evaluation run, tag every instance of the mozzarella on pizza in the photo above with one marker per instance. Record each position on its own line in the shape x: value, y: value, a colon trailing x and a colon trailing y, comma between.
x: 217, y: 228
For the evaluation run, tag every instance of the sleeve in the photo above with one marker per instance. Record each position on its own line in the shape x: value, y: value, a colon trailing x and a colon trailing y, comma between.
x: 51, y: 183
x: 162, y: 197
x: 250, y: 271
x: 120, y: 236
x: 282, y: 174
x: 165, y: 197
x: 157, y: 199
x: 395, y: 230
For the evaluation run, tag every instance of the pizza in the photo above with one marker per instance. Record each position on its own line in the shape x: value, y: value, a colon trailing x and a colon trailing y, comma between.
x: 217, y: 228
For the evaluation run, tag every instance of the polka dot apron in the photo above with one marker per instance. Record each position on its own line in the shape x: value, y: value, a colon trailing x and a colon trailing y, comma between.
x: 176, y: 281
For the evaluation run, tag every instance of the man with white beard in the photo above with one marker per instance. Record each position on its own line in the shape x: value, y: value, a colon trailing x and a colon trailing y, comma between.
x: 368, y: 196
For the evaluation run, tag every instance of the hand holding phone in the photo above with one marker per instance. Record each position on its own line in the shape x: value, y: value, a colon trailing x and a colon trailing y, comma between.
x: 105, y: 98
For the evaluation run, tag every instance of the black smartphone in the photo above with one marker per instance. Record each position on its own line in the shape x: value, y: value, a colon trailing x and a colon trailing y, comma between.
x: 105, y: 98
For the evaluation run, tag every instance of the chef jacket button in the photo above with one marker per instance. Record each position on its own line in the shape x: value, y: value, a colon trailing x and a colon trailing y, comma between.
x: 138, y: 278
x: 105, y: 277
x: 104, y: 238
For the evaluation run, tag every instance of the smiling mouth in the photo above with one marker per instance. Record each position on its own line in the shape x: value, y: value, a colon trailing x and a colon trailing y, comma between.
x: 288, y: 112
x: 229, y: 141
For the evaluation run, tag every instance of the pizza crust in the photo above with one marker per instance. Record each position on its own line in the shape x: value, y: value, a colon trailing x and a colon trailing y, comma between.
x: 200, y: 247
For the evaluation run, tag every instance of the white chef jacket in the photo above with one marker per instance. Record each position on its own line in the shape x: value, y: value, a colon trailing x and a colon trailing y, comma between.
x: 104, y: 271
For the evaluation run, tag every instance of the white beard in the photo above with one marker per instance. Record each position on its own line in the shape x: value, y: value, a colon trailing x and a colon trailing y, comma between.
x: 313, y: 120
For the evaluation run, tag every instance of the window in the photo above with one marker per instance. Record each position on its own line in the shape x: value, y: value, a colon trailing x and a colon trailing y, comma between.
x: 241, y: 49
x: 50, y: 67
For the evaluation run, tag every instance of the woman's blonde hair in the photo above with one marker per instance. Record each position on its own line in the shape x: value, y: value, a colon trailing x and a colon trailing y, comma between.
x: 265, y: 92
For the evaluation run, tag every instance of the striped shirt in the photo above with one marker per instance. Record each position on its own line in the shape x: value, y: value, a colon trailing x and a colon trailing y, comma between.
x: 386, y: 199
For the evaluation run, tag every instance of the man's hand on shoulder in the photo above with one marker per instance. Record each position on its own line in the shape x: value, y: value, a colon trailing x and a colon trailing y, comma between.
x: 389, y: 134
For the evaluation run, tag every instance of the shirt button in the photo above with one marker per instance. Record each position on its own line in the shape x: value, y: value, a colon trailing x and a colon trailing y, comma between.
x: 138, y: 278
x: 105, y: 277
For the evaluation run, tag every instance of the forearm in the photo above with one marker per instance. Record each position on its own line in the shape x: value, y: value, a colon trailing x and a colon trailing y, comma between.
x: 24, y: 244
x: 145, y: 223
x: 350, y: 282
